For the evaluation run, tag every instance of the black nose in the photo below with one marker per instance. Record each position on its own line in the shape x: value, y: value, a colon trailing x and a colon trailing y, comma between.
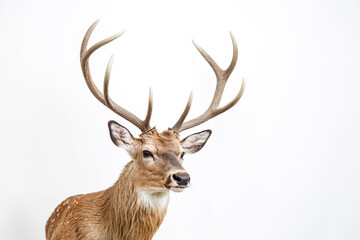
x: 182, y: 178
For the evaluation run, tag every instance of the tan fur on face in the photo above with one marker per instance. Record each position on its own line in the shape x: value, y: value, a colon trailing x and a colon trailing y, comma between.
x: 154, y: 175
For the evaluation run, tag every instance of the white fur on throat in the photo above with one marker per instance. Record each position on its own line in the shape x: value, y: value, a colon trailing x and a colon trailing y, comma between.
x: 153, y: 200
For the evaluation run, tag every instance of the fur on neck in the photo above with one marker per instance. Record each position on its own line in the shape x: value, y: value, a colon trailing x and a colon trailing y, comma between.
x: 130, y: 212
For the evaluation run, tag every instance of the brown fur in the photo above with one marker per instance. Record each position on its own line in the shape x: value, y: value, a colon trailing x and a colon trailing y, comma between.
x: 115, y: 213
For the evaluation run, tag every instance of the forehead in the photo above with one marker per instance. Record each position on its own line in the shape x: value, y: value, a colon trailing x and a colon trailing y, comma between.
x: 165, y: 140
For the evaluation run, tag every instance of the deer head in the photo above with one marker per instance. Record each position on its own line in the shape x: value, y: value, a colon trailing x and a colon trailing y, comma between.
x: 157, y: 157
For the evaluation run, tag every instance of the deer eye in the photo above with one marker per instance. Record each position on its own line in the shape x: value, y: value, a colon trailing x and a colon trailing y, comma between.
x: 182, y: 155
x: 147, y: 154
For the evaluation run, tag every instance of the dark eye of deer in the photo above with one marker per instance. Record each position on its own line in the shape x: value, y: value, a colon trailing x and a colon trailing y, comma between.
x: 147, y: 154
x: 182, y: 155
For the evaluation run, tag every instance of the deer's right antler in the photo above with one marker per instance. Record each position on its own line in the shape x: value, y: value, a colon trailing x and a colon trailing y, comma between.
x: 143, y: 125
x: 221, y: 78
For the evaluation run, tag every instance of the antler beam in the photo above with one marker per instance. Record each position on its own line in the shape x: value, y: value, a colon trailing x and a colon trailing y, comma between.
x: 221, y: 79
x: 143, y: 125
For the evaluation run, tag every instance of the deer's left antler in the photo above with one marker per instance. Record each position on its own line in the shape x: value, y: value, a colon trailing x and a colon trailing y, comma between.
x: 221, y: 78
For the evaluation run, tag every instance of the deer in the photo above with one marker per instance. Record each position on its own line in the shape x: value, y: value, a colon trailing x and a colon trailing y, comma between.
x: 135, y: 206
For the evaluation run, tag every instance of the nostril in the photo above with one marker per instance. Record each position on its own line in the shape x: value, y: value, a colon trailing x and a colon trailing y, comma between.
x: 176, y: 178
x: 181, y: 178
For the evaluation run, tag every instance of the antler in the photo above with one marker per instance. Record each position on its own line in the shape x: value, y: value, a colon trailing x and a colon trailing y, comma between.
x: 143, y: 125
x: 221, y: 78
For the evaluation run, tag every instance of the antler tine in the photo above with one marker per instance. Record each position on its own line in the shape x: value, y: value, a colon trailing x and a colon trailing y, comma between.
x: 104, y: 98
x: 235, y: 56
x: 184, y: 114
x: 149, y: 111
x: 221, y: 79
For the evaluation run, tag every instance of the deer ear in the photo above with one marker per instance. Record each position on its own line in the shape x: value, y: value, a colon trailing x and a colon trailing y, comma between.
x: 120, y: 136
x: 195, y: 142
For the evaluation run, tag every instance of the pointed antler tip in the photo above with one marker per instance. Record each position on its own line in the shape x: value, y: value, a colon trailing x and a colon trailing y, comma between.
x: 232, y: 37
x: 195, y: 44
x: 118, y: 34
x: 95, y: 23
x: 150, y: 93
x: 190, y: 98
x: 242, y: 88
x: 111, y: 60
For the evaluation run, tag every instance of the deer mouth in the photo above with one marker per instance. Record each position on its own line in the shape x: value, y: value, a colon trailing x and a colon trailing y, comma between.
x: 177, y: 188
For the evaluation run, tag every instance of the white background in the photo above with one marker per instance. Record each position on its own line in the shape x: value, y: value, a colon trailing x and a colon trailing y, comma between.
x: 282, y: 164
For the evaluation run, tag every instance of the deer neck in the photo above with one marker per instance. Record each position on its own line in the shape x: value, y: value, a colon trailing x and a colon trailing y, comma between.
x: 132, y: 212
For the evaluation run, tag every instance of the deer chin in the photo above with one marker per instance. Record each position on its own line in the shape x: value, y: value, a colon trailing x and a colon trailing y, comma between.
x: 177, y: 188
